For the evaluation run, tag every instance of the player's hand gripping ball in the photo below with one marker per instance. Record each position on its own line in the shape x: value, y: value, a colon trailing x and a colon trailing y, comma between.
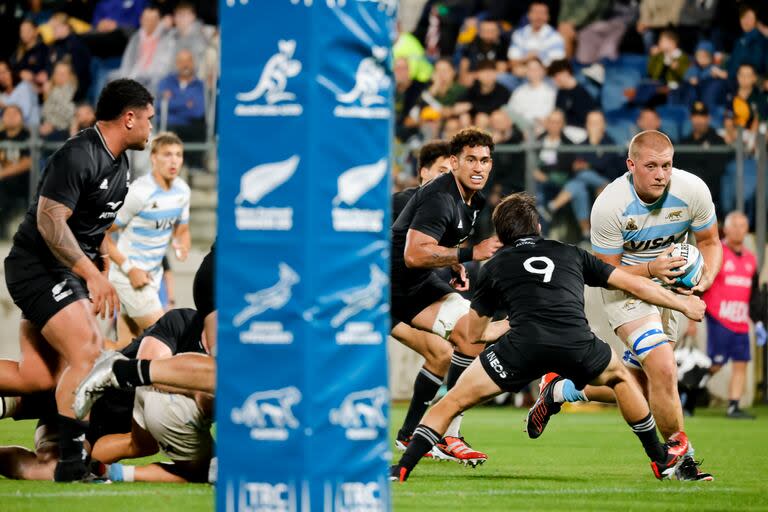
x: 694, y: 265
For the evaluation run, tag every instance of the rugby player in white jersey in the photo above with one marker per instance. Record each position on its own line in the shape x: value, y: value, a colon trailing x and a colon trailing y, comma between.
x: 636, y: 221
x: 156, y: 211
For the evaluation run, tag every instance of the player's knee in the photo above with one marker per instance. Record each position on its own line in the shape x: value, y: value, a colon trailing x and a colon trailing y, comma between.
x: 663, y: 372
x: 646, y: 339
x: 87, y: 353
x: 440, y: 357
x: 451, y: 310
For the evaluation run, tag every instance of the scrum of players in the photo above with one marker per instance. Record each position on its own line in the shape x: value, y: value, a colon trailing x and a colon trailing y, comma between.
x: 97, y: 407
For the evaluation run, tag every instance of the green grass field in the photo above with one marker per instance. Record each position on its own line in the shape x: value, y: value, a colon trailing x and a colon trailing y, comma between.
x: 585, y: 461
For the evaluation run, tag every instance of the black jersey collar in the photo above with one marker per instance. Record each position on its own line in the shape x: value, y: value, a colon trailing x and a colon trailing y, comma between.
x: 103, y: 142
x: 529, y: 239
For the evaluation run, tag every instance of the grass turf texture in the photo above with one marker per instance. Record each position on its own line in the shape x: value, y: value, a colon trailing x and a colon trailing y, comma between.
x: 585, y: 461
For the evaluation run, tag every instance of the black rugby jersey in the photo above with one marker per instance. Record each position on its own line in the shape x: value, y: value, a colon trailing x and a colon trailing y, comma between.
x: 438, y: 210
x: 180, y: 329
x: 84, y: 176
x: 540, y: 284
x: 399, y: 200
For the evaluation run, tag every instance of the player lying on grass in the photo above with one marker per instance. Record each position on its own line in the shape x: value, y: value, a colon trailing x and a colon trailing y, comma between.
x: 178, y: 424
x: 540, y: 284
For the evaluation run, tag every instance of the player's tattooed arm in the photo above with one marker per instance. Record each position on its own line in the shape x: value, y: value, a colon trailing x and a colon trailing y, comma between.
x: 423, y: 251
x: 52, y: 219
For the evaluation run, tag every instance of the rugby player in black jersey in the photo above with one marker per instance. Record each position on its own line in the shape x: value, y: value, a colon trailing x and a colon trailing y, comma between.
x: 427, y: 235
x: 540, y: 283
x: 56, y: 270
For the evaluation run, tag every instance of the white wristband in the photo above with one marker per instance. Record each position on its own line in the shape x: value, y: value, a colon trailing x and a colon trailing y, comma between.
x: 127, y: 266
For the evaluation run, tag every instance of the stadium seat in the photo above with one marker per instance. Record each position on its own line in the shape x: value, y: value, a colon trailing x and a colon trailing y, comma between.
x: 635, y: 61
x: 617, y: 80
x: 673, y: 117
x: 620, y: 124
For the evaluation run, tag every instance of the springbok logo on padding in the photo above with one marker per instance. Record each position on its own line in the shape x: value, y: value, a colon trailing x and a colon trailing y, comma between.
x: 270, y: 94
x: 257, y: 183
x: 273, y: 298
x: 352, y: 185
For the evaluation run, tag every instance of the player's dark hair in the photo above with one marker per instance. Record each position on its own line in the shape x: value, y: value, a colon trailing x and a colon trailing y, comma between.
x: 470, y: 137
x: 559, y: 65
x: 121, y: 95
x: 431, y: 151
x: 516, y: 216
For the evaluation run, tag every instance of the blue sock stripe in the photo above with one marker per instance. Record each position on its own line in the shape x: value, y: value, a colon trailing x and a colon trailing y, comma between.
x: 570, y: 393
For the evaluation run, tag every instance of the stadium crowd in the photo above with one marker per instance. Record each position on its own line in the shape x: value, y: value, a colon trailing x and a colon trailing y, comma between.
x: 587, y: 73
x: 56, y: 56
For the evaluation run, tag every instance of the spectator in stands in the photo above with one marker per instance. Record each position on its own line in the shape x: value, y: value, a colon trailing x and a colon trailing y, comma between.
x: 608, y: 164
x: 583, y: 181
x: 487, y: 45
x: 656, y: 15
x: 148, y: 55
x: 745, y: 107
x: 184, y: 95
x: 703, y: 67
x: 751, y: 48
x: 554, y: 168
x: 572, y: 98
x: 451, y: 127
x: 443, y: 92
x: 696, y: 19
x: 485, y: 95
x: 59, y: 106
x: 407, y: 96
x: 708, y: 167
x: 648, y: 119
x: 113, y: 23
x: 14, y: 91
x: 68, y: 46
x: 85, y: 117
x: 533, y: 101
x: 508, y: 167
x: 30, y: 60
x: 601, y: 38
x: 577, y: 14
x: 14, y: 167
x: 667, y: 63
x: 188, y: 31
x: 535, y: 40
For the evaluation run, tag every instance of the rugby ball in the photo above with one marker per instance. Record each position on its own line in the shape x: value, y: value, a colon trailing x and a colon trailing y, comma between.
x: 694, y: 264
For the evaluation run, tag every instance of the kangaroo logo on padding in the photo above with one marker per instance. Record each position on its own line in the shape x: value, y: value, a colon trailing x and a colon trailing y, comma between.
x: 270, y: 94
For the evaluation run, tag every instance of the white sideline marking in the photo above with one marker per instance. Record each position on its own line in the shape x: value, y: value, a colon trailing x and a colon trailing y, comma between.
x: 543, y: 492
x: 106, y: 493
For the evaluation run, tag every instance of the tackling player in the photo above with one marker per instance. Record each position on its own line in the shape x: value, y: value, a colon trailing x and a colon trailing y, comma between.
x: 427, y: 235
x: 540, y: 284
x: 635, y: 222
x: 56, y: 270
x: 156, y: 210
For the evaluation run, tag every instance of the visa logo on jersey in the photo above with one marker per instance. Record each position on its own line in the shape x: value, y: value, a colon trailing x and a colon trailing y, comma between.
x: 644, y: 245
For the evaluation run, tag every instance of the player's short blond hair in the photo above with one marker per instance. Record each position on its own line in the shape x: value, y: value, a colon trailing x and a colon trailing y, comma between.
x: 165, y: 139
x: 648, y: 139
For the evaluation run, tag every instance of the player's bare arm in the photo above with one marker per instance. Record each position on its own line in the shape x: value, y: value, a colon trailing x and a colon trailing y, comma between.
x: 648, y: 291
x: 137, y: 276
x: 708, y: 243
x: 423, y: 251
x: 664, y: 267
x: 182, y: 241
x: 52, y: 223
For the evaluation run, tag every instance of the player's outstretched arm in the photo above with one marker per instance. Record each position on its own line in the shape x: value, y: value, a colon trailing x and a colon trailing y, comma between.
x: 648, y: 291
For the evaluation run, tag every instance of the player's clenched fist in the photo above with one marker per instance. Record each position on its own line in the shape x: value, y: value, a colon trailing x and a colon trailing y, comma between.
x: 486, y: 249
x: 695, y: 308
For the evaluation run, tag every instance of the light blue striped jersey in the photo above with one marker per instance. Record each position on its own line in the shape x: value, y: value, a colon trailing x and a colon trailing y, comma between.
x: 623, y: 224
x: 148, y: 217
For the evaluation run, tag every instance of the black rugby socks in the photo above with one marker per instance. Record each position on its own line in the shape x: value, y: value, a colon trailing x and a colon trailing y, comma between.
x: 424, y: 438
x: 72, y: 456
x: 132, y: 373
x: 425, y: 387
x: 645, y: 430
x: 459, y: 363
